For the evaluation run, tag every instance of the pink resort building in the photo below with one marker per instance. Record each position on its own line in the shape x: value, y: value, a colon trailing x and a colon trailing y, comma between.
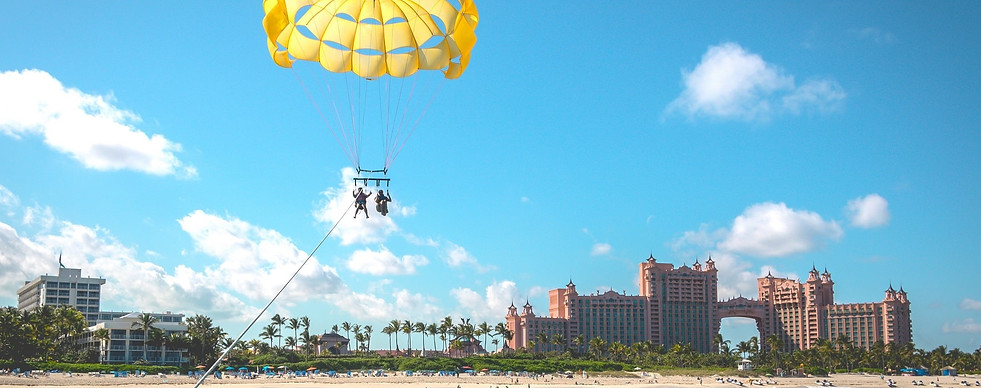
x: 681, y: 306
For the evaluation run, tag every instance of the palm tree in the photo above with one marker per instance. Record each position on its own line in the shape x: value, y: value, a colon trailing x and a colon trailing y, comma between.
x: 420, y: 327
x: 144, y: 322
x: 720, y: 343
x: 617, y: 350
x: 293, y: 323
x: 357, y: 337
x: 367, y: 336
x: 407, y: 329
x: 542, y: 339
x: 432, y: 330
x: 388, y: 330
x: 743, y: 347
x: 347, y: 332
x: 279, y: 320
x: 844, y: 346
x: 269, y: 332
x: 103, y: 336
x: 484, y: 329
x: 579, y: 341
x: 597, y: 346
x: 775, y: 343
x: 559, y: 341
x: 395, y: 326
x: 255, y: 346
x: 445, y: 329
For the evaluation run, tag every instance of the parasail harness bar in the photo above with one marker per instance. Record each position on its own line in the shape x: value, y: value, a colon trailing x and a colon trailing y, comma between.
x: 376, y: 181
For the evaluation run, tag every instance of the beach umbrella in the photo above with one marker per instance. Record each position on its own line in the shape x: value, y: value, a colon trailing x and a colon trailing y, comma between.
x: 243, y: 368
x: 282, y: 367
x: 229, y: 368
x: 266, y: 367
x: 312, y: 368
x: 200, y: 367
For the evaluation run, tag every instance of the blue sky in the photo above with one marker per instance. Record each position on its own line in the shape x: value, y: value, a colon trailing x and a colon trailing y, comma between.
x: 161, y: 148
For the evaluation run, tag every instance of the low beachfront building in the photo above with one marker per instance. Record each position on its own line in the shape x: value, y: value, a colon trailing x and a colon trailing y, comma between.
x: 332, y: 343
x: 127, y: 343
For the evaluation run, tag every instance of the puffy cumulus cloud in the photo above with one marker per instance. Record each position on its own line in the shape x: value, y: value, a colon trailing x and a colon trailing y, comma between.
x: 601, y: 249
x: 868, y: 212
x: 133, y: 283
x: 970, y: 304
x: 338, y: 202
x: 457, y: 256
x: 736, y: 276
x: 694, y: 242
x: 774, y: 230
x: 416, y: 306
x: 87, y: 127
x: 732, y: 83
x: 22, y: 259
x: 491, y: 305
x: 968, y: 325
x: 384, y: 262
x: 39, y: 216
x: 256, y: 262
x: 363, y: 306
x: 8, y: 201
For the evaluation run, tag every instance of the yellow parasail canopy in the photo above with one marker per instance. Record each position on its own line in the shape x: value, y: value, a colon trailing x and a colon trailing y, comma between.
x: 372, y: 38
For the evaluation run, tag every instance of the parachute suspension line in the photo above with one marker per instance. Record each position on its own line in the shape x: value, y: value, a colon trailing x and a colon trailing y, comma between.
x: 400, y: 112
x: 384, y: 99
x: 419, y: 120
x: 344, y: 146
x: 337, y: 116
x: 256, y: 319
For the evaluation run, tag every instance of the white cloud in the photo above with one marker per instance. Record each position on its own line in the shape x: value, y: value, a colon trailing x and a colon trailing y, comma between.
x: 88, y: 127
x: 384, y: 262
x: 363, y: 306
x: 39, y: 216
x: 823, y: 95
x: 875, y: 35
x: 968, y: 325
x: 416, y: 307
x: 256, y: 262
x: 8, y: 201
x: 338, y: 202
x: 774, y: 230
x: 970, y: 304
x: 732, y: 83
x: 868, y: 212
x: 601, y: 249
x: 131, y: 282
x: 21, y: 259
x: 457, y: 256
x: 489, y: 307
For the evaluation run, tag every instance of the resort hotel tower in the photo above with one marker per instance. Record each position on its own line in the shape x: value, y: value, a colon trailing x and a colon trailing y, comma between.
x: 681, y: 306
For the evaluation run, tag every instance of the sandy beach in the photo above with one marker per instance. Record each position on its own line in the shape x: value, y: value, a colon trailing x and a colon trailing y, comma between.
x: 401, y: 381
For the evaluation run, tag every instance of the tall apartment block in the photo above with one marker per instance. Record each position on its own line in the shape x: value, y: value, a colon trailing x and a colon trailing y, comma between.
x: 681, y: 306
x: 67, y: 288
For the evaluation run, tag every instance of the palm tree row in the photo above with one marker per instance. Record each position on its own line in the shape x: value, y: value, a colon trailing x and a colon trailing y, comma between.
x: 42, y: 334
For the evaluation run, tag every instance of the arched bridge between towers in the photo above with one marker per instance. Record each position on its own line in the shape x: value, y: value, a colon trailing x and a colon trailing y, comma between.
x: 748, y: 308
